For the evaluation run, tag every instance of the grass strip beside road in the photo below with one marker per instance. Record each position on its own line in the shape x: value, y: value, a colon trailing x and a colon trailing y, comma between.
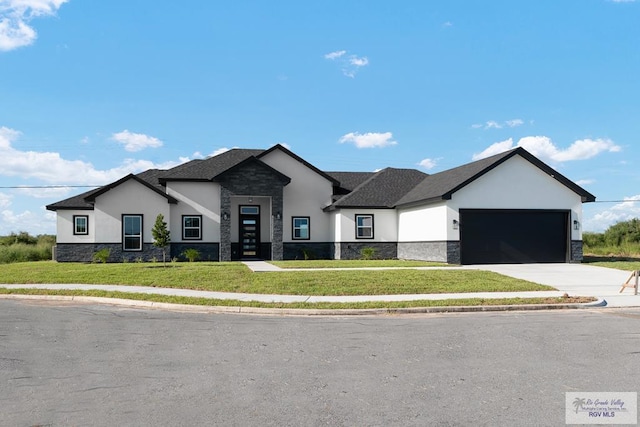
x: 612, y: 262
x: 236, y: 277
x: 299, y: 305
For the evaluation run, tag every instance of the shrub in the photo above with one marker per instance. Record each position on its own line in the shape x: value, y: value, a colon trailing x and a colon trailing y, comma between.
x: 308, y: 254
x: 191, y: 254
x: 102, y: 255
x: 368, y: 252
x: 21, y: 252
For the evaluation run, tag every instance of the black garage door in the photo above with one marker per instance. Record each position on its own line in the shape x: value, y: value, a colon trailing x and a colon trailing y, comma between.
x: 513, y: 236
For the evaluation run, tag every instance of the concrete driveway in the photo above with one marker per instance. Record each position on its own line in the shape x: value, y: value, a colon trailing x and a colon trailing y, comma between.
x: 574, y: 279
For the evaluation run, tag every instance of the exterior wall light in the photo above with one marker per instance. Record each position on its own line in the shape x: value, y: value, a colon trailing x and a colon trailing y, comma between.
x: 250, y: 199
x: 225, y: 216
x: 278, y: 216
x: 456, y: 224
x: 576, y: 224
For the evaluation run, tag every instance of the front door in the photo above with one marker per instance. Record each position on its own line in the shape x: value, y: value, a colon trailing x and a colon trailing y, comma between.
x: 249, y: 232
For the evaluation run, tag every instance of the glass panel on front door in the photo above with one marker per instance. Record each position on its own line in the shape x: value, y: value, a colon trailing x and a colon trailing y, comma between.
x: 249, y: 232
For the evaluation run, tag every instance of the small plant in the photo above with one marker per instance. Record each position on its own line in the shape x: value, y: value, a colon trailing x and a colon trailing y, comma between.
x: 368, y: 252
x: 174, y: 259
x: 102, y: 255
x: 308, y: 254
x: 161, y: 237
x: 139, y: 260
x: 191, y: 254
x: 154, y: 260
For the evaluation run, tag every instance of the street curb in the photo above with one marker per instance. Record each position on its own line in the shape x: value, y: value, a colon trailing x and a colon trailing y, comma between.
x: 120, y: 302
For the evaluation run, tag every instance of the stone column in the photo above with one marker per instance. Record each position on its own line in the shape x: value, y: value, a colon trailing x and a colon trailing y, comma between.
x: 225, y: 225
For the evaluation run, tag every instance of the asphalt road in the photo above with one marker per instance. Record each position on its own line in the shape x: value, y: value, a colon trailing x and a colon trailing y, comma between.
x: 99, y: 365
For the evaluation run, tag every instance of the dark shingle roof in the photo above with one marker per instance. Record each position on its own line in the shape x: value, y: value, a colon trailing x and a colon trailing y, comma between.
x: 441, y: 186
x: 350, y: 180
x: 382, y: 189
x: 206, y: 169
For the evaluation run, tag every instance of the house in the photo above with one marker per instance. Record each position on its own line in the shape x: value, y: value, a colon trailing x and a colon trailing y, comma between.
x: 272, y: 204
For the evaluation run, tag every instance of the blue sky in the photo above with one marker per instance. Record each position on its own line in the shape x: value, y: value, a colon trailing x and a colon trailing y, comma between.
x: 90, y: 91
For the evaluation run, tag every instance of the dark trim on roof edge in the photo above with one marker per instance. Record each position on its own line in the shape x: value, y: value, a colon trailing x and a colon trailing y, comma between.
x: 102, y: 190
x: 332, y: 207
x: 67, y: 208
x: 301, y: 160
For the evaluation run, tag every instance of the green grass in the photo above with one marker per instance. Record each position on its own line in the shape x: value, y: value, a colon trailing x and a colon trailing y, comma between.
x: 328, y: 263
x: 300, y: 305
x: 619, y: 263
x: 236, y: 277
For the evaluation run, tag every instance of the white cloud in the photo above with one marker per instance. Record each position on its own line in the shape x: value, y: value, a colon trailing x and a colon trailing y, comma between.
x: 495, y: 148
x: 358, y: 62
x: 447, y: 24
x: 136, y: 141
x: 219, y: 151
x: 544, y: 148
x: 583, y: 182
x: 369, y: 140
x: 624, y: 211
x: 5, y: 200
x: 514, y: 123
x: 335, y: 55
x: 493, y: 124
x: 51, y: 168
x: 284, y: 144
x: 45, y: 193
x: 428, y: 163
x: 15, y: 17
x: 35, y: 223
x: 350, y: 64
x: 622, y: 1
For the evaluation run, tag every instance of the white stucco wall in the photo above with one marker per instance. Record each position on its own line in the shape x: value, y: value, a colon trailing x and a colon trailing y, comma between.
x: 515, y: 184
x: 306, y: 195
x: 195, y: 198
x: 385, y: 225
x: 130, y: 197
x: 423, y: 224
x: 65, y: 226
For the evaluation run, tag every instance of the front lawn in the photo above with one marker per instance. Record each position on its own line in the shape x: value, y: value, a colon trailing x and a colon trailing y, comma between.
x: 236, y: 277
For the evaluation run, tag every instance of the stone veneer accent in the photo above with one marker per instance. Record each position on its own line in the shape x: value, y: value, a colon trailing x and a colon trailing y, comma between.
x: 352, y: 250
x: 254, y: 179
x: 577, y: 254
x: 314, y: 250
x: 442, y: 251
x: 83, y: 252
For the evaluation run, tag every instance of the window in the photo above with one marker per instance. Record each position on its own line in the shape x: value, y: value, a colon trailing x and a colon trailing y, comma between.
x: 192, y: 227
x: 300, y: 228
x: 132, y: 232
x: 80, y: 224
x: 249, y: 210
x: 364, y: 226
